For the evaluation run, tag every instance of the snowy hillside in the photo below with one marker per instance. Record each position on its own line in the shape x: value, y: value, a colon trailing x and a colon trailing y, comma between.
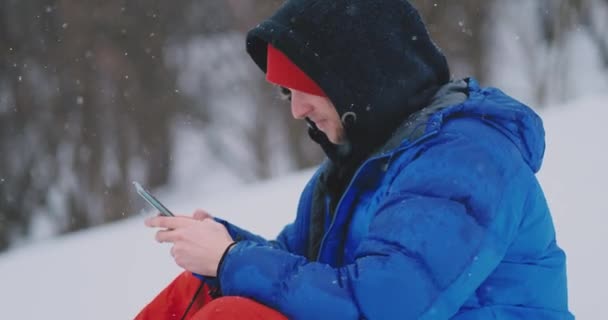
x: 112, y: 271
x: 575, y: 178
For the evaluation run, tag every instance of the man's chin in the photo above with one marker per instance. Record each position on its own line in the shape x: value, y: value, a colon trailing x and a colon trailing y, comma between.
x: 334, y: 139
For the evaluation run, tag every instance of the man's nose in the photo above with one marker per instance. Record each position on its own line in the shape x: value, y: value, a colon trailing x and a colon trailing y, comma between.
x: 299, y: 108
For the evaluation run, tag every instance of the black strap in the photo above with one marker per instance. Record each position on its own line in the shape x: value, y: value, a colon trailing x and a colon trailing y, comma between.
x: 193, y: 298
x: 214, y: 293
x: 218, y: 291
x: 219, y: 265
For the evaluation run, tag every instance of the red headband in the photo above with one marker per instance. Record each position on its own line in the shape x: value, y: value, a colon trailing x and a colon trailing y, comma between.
x: 281, y: 71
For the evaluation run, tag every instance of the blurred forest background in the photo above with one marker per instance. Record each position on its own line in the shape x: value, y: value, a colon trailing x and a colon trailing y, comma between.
x: 94, y: 94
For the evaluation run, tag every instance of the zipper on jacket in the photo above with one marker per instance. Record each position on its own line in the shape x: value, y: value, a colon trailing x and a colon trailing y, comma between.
x: 333, y: 220
x: 352, y: 180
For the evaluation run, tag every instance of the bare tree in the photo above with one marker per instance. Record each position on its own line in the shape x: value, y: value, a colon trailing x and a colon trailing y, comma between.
x: 593, y: 16
x: 460, y: 28
x: 89, y: 99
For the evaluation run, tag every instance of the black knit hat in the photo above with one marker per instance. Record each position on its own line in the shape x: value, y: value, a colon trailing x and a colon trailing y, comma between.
x: 373, y: 59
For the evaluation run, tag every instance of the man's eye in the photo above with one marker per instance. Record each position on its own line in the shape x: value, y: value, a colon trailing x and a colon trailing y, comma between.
x: 285, y: 93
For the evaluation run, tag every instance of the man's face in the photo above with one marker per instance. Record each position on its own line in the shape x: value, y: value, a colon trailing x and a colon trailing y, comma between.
x: 319, y: 110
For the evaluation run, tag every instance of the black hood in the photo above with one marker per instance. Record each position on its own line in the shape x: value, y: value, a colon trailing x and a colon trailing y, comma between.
x: 374, y: 59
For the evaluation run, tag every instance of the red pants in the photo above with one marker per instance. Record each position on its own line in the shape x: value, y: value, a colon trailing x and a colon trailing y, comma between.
x: 173, y: 301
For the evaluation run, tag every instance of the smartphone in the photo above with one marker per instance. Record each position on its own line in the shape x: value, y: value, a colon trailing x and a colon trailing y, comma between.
x: 152, y: 200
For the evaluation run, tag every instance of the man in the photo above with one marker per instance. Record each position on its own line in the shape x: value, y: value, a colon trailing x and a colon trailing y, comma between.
x: 427, y: 207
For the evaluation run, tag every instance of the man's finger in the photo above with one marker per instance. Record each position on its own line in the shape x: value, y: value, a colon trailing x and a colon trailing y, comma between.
x: 200, y: 214
x: 169, y: 222
x: 167, y: 236
x: 183, y: 216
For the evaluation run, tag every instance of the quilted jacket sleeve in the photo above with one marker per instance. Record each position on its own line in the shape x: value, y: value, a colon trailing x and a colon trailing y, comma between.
x: 289, y: 239
x: 284, y: 240
x: 445, y: 224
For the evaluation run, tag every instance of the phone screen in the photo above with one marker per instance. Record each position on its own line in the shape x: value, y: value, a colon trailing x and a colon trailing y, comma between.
x: 152, y: 200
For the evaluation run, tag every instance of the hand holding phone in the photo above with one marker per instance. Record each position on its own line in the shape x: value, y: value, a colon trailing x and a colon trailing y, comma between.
x: 152, y: 200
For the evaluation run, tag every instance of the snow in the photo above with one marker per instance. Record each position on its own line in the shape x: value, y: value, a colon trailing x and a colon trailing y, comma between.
x: 112, y: 271
x: 574, y: 178
x: 522, y: 62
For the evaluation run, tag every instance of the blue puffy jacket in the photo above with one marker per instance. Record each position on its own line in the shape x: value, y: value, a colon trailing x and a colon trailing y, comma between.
x: 449, y: 222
